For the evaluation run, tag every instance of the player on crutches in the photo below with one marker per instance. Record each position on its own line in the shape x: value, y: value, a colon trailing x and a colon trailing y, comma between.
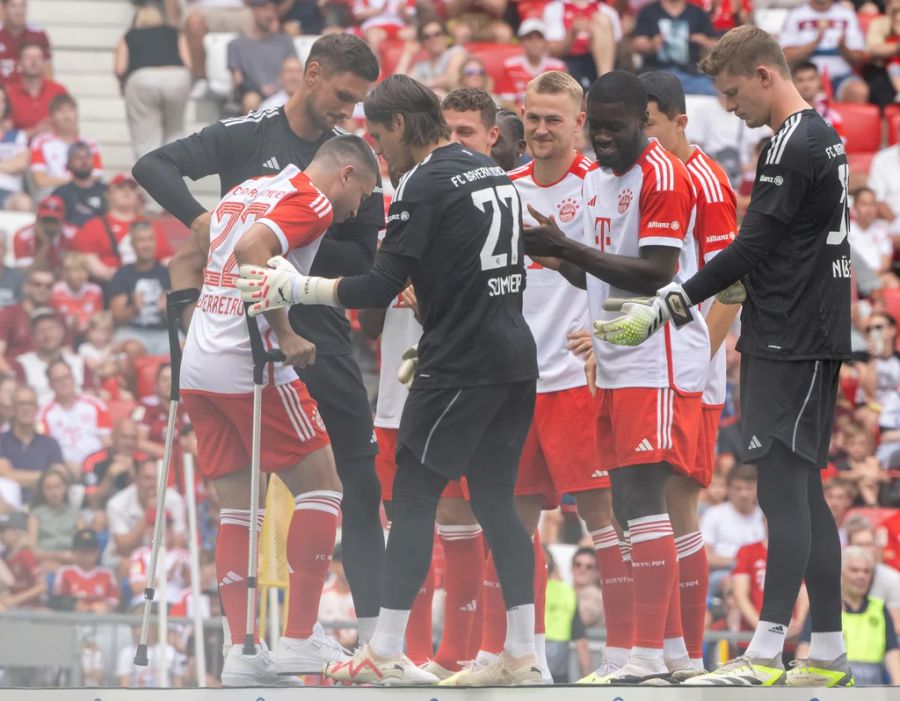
x: 283, y: 214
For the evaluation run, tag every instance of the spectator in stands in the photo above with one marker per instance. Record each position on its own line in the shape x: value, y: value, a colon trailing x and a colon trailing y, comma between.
x: 128, y: 510
x: 201, y: 17
x: 30, y: 95
x: 52, y: 520
x: 28, y: 582
x: 733, y: 523
x: 564, y: 626
x: 49, y: 333
x: 255, y: 58
x: 98, y: 349
x: 586, y: 580
x: 138, y: 294
x: 79, y: 422
x: 85, y: 194
x: 510, y: 146
x: 869, y: 632
x: 105, y: 239
x: 882, y: 48
x: 672, y: 35
x: 384, y: 19
x: 27, y: 454
x: 13, y: 161
x: 177, y: 562
x: 884, y: 181
x: 440, y: 70
x: 727, y: 14
x: 536, y: 59
x: 828, y: 34
x: 871, y: 244
x: 839, y: 494
x: 108, y: 471
x: 14, y: 33
x: 304, y: 16
x: 289, y: 79
x: 84, y: 585
x: 43, y: 243
x: 10, y: 495
x: 152, y: 415
x: 473, y: 74
x: 75, y: 298
x: 879, y: 374
x: 886, y: 580
x: 809, y: 84
x: 584, y: 33
x: 11, y: 279
x: 336, y: 604
x: 15, y: 319
x: 152, y: 64
x: 478, y: 20
x: 50, y: 150
x: 860, y: 466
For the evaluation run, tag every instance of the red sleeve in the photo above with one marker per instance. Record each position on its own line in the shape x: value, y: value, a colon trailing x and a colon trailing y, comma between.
x: 98, y: 164
x: 666, y: 201
x: 743, y: 562
x: 716, y: 224
x: 91, y: 238
x: 21, y: 247
x: 61, y: 582
x: 38, y: 162
x: 103, y: 418
x: 299, y: 219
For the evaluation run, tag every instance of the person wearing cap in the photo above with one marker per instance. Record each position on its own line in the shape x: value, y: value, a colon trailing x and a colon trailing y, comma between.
x: 105, y: 239
x: 85, y: 194
x: 255, y: 58
x: 536, y: 59
x: 583, y: 33
x: 85, y: 585
x: 28, y: 584
x: 44, y: 242
x: 49, y: 333
x: 50, y: 150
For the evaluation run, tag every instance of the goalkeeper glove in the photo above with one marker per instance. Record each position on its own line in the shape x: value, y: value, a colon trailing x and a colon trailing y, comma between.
x: 281, y: 285
x: 643, y: 316
x: 735, y: 293
x: 407, y: 371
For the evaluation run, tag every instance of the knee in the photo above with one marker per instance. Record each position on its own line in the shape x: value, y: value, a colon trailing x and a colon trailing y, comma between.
x: 455, y: 512
x: 361, y: 485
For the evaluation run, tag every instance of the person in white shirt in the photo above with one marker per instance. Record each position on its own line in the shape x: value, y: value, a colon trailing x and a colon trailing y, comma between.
x: 49, y: 336
x: 736, y: 522
x: 289, y: 80
x: 871, y: 244
x: 828, y: 34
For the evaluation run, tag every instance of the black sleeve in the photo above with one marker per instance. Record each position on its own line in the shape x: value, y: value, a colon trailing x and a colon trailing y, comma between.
x: 409, y: 226
x: 379, y: 287
x: 121, y: 283
x: 758, y: 235
x: 578, y: 630
x: 705, y: 25
x: 161, y: 172
x: 646, y: 25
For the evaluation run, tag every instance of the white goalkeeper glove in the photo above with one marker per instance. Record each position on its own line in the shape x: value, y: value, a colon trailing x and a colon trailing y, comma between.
x: 735, y: 293
x: 643, y: 316
x: 282, y: 285
x: 407, y: 370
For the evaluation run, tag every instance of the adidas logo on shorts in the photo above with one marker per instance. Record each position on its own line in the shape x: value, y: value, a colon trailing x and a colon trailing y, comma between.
x: 754, y: 443
x: 644, y: 447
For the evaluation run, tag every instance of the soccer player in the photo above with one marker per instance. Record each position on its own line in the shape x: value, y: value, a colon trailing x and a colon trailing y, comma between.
x: 510, y: 145
x: 715, y: 226
x: 454, y: 231
x: 793, y: 254
x: 283, y: 214
x: 560, y: 453
x: 337, y: 75
x: 637, y: 211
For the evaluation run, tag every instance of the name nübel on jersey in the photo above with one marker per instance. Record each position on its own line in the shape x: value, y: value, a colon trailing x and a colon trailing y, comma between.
x: 505, y: 284
x: 470, y: 176
x: 841, y: 267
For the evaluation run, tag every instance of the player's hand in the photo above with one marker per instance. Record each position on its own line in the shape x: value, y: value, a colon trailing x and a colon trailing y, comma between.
x: 643, y: 316
x: 298, y: 352
x: 543, y: 239
x: 281, y: 285
x: 408, y: 300
x: 580, y: 342
x: 407, y: 371
x: 735, y: 293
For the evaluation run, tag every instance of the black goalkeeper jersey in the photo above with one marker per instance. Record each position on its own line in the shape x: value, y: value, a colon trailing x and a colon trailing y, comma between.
x: 262, y: 143
x: 459, y: 217
x: 798, y: 297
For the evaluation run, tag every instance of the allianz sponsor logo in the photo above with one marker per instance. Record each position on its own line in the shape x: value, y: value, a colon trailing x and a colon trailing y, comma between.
x: 777, y: 180
x: 398, y: 216
x: 672, y: 225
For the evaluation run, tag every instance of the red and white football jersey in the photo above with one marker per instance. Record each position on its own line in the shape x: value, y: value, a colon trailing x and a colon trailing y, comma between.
x: 80, y: 429
x: 401, y: 330
x: 25, y: 243
x: 391, y: 12
x: 77, y: 305
x: 97, y: 585
x: 652, y: 204
x: 50, y: 154
x: 715, y: 227
x: 519, y: 72
x: 178, y: 572
x: 217, y: 351
x: 552, y: 307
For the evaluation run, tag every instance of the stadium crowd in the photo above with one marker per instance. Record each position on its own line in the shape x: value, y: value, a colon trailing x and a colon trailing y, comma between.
x: 84, y: 373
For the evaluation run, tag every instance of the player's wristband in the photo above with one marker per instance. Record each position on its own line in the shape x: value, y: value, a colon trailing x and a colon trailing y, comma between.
x: 315, y: 290
x: 678, y: 304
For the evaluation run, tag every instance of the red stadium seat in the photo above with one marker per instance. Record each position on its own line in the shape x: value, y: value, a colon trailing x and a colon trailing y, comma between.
x: 865, y: 19
x: 493, y: 56
x: 145, y: 369
x: 862, y: 126
x: 891, y: 297
x: 860, y: 162
x: 391, y: 51
x: 893, y: 126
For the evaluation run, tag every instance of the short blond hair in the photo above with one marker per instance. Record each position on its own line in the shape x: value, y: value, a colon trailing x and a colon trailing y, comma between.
x: 741, y: 50
x: 75, y: 259
x: 557, y: 83
x: 148, y: 16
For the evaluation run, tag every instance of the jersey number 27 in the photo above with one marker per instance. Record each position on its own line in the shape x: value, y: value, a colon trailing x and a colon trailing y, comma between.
x: 500, y: 197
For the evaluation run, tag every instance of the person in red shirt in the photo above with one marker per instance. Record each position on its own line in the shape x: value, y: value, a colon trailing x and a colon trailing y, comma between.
x: 726, y: 14
x: 84, y: 585
x: 152, y: 415
x: 15, y: 319
x: 43, y: 242
x: 536, y: 59
x: 30, y: 94
x: 28, y: 585
x: 95, y: 239
x: 14, y: 32
x: 73, y: 297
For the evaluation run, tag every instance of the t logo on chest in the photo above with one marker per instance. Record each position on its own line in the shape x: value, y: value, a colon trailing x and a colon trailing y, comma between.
x: 602, y: 227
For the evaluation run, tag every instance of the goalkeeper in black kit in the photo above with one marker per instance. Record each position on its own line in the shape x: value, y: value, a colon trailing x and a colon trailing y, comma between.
x: 793, y: 257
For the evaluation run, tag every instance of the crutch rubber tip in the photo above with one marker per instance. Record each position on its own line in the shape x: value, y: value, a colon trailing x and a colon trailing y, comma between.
x: 140, y: 656
x: 149, y: 594
x: 249, y: 646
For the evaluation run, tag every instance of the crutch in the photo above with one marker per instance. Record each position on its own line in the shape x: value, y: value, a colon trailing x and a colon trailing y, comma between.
x: 176, y: 302
x: 261, y: 357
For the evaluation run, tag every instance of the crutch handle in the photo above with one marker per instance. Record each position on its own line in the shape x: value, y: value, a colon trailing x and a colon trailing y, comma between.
x: 176, y: 302
x: 261, y: 356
